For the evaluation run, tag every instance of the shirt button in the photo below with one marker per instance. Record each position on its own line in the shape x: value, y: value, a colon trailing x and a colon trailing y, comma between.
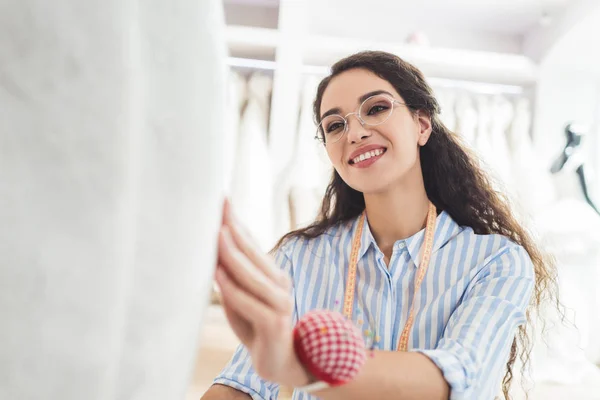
x: 400, y: 244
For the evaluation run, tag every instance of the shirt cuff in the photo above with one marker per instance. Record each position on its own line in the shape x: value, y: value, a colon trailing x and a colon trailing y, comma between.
x: 242, y: 388
x: 457, y: 366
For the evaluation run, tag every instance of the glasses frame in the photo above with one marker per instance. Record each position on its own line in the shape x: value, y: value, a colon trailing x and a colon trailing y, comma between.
x: 357, y: 113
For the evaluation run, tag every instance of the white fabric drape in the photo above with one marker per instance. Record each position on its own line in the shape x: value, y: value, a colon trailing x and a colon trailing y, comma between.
x: 502, y: 116
x: 110, y: 185
x: 466, y: 118
x: 236, y: 98
x: 532, y: 184
x: 447, y: 99
x: 252, y: 185
x: 311, y: 169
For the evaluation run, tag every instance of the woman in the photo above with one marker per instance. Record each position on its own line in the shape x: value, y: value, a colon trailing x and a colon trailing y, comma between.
x: 395, y: 164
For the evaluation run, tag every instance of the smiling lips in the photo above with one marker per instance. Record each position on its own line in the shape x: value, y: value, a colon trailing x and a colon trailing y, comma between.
x: 364, y: 159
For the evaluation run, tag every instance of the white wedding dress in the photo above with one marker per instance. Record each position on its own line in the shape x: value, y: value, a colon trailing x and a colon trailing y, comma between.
x: 446, y: 99
x: 466, y: 119
x: 311, y: 169
x: 252, y: 184
x: 111, y: 190
x: 236, y: 98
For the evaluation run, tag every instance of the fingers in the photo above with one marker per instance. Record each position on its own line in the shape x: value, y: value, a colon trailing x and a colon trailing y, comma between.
x: 249, y: 277
x: 240, y: 325
x: 240, y: 305
x: 243, y: 241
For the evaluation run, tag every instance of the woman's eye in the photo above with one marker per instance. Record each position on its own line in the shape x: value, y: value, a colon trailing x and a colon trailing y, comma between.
x: 377, y: 109
x: 336, y: 126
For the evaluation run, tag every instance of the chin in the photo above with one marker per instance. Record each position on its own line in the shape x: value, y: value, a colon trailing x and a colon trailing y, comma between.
x: 373, y: 187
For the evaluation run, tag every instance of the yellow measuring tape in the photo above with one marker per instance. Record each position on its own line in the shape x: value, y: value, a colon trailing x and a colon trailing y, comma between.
x: 422, y: 268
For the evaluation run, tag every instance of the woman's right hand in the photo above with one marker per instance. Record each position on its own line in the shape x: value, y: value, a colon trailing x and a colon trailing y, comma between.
x: 257, y: 302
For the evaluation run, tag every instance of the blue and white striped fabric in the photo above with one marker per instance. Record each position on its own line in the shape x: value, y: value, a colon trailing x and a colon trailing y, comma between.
x: 472, y: 300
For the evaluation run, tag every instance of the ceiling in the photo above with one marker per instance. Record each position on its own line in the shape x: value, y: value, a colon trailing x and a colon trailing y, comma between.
x: 492, y: 25
x: 578, y: 50
x: 501, y: 16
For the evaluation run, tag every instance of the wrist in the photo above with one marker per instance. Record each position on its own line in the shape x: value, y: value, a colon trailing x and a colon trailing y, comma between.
x: 296, y: 375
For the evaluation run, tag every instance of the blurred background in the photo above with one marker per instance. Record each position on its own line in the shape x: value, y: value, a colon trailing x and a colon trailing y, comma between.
x: 123, y: 123
x: 518, y: 79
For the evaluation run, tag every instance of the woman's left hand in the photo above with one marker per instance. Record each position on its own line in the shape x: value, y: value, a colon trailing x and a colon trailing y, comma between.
x: 258, y: 305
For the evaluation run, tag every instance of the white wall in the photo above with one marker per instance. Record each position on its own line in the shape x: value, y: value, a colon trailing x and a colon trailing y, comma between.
x: 563, y: 96
x: 568, y: 89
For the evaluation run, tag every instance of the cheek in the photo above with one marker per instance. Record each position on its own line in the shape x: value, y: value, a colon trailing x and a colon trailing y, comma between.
x: 404, y: 138
x: 335, y: 155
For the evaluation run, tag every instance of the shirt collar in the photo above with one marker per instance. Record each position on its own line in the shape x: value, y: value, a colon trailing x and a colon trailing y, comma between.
x: 445, y: 229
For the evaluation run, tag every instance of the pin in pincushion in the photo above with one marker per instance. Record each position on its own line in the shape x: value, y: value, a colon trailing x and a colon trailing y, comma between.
x: 329, y: 346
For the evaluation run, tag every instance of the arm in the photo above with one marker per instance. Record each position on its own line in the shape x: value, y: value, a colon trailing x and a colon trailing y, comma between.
x: 222, y: 392
x: 393, y: 375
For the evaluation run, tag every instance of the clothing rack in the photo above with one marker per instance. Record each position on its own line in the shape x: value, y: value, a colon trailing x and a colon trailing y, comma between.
x: 470, y: 86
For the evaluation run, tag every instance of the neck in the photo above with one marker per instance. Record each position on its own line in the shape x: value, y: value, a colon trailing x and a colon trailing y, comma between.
x: 397, y: 213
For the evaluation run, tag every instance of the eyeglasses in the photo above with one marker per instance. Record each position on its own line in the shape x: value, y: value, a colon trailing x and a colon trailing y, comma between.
x: 373, y: 111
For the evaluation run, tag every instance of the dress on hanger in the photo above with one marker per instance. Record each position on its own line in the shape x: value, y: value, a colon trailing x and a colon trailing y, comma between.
x: 484, y: 141
x: 252, y: 185
x: 502, y: 117
x: 532, y: 182
x: 236, y: 98
x: 311, y: 169
x: 466, y: 118
x: 447, y: 99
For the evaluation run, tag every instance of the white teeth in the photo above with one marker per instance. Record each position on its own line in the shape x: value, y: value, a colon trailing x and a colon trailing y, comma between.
x: 367, y: 155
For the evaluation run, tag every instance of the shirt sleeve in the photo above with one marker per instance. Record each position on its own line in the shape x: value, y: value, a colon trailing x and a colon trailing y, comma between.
x: 239, y: 373
x: 475, y: 345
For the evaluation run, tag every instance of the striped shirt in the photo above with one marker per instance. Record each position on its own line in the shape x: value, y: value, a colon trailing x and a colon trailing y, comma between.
x: 470, y: 304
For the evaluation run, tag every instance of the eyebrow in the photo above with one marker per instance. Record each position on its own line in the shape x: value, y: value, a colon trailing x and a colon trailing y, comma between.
x: 362, y: 98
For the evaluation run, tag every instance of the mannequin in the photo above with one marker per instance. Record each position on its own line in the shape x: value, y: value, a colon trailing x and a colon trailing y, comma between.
x: 571, y: 155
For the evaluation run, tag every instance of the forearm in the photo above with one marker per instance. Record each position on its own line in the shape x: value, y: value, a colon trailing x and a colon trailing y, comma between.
x: 222, y: 392
x: 393, y: 375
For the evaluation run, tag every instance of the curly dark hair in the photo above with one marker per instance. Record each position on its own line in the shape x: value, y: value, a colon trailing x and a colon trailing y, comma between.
x: 454, y: 182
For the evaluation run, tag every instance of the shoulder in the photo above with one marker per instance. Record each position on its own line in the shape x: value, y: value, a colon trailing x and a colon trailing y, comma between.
x: 296, y: 248
x: 494, y: 254
x: 510, y: 259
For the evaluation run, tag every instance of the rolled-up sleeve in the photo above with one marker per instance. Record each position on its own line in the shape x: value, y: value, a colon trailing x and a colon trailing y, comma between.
x: 475, y: 345
x: 239, y: 373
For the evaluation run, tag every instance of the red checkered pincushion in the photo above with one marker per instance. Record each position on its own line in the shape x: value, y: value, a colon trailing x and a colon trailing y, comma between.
x: 329, y: 346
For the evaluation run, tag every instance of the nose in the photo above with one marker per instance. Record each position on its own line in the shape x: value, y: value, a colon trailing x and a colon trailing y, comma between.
x: 356, y: 129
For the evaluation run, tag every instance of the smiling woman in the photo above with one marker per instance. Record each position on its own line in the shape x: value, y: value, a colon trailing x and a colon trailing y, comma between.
x: 412, y: 244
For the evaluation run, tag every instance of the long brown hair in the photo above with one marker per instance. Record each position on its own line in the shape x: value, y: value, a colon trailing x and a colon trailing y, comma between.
x: 454, y: 182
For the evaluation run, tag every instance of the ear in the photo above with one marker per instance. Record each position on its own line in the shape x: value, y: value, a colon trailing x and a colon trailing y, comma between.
x: 425, y: 127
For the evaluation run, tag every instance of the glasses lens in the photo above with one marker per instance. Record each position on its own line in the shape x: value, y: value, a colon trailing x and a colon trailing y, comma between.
x: 331, y: 128
x: 376, y: 110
